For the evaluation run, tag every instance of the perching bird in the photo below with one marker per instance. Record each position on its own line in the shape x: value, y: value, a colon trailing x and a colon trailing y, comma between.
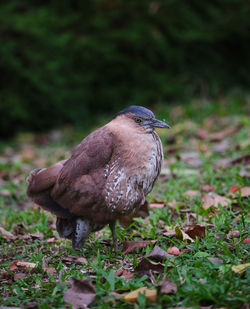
x: 108, y: 176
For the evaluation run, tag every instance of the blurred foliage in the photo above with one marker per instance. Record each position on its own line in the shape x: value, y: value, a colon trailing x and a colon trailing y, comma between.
x: 62, y: 61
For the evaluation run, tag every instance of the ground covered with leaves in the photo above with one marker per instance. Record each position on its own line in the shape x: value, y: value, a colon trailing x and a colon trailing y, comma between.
x: 186, y: 248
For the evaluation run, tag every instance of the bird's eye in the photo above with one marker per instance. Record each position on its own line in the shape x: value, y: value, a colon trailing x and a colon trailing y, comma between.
x: 138, y: 120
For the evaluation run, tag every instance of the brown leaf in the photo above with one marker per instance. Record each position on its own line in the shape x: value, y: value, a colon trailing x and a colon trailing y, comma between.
x: 246, y: 241
x: 131, y: 246
x: 208, y: 188
x: 245, y: 172
x: 238, y: 190
x: 169, y: 233
x: 28, y: 153
x: 233, y: 234
x: 215, y: 260
x: 5, y: 192
x: 159, y: 254
x: 121, y: 272
x: 191, y: 193
x: 146, y: 266
x: 7, y: 235
x: 156, y: 205
x: 222, y: 146
x: 191, y: 158
x: 167, y: 287
x: 31, y: 305
x: 80, y: 294
x: 213, y: 199
x: 4, y: 274
x: 50, y: 270
x: 74, y: 259
x: 173, y: 251
x: 173, y: 204
x: 234, y: 188
x: 222, y: 163
x: 20, y: 276
x: 150, y: 295
x: 245, y: 159
x: 217, y: 136
x: 22, y: 265
x: 196, y: 230
x: 52, y: 239
x: 114, y: 296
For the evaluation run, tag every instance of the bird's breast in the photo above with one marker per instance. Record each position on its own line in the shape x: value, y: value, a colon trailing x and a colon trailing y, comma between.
x: 131, y: 174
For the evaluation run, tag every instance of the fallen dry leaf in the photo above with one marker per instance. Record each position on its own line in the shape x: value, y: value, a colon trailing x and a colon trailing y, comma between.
x: 222, y: 146
x: 167, y: 287
x: 196, y: 230
x: 242, y: 191
x: 80, y: 294
x: 173, y: 251
x: 191, y: 158
x: 159, y: 254
x: 240, y: 269
x: 222, y: 163
x: 233, y: 234
x: 150, y: 295
x: 74, y: 259
x: 182, y: 235
x: 52, y: 239
x: 4, y: 274
x: 234, y: 188
x: 50, y: 270
x: 169, y: 233
x: 19, y: 276
x: 246, y: 241
x: 146, y: 266
x: 208, y: 188
x: 215, y: 260
x: 114, y: 296
x: 191, y: 193
x: 7, y: 235
x: 5, y: 192
x: 22, y: 265
x: 213, y: 199
x: 218, y: 136
x: 131, y: 246
x: 245, y: 159
x: 156, y: 205
x: 121, y: 272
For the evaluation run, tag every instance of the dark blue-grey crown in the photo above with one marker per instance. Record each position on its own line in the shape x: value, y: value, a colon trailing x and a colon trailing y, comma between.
x: 139, y: 111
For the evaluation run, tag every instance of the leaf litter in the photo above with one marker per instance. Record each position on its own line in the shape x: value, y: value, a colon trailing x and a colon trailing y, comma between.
x: 154, y: 261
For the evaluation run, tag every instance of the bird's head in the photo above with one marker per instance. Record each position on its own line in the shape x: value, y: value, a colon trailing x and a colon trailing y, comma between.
x: 139, y: 118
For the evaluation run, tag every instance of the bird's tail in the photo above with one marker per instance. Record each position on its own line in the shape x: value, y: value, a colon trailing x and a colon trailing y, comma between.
x: 40, y: 182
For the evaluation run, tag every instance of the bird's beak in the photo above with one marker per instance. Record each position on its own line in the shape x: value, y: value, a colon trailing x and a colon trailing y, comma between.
x: 159, y: 124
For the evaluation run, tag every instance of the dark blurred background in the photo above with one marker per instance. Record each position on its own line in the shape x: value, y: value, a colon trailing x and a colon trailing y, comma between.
x: 66, y: 62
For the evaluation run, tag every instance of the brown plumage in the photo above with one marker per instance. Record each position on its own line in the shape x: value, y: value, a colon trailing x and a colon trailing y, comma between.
x: 108, y: 176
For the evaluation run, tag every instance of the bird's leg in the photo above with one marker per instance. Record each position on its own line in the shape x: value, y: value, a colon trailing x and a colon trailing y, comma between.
x: 81, y: 233
x: 113, y: 230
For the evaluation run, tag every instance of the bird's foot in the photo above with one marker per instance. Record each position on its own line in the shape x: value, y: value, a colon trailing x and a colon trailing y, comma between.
x: 81, y: 233
x: 114, y: 236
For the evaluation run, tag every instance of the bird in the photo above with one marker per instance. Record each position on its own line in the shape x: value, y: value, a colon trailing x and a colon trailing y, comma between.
x: 108, y: 176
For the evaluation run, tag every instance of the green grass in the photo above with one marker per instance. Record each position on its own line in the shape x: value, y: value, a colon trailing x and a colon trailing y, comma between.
x: 199, y: 281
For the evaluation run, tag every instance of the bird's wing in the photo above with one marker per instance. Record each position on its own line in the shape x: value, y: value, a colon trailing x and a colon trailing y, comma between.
x: 81, y: 180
